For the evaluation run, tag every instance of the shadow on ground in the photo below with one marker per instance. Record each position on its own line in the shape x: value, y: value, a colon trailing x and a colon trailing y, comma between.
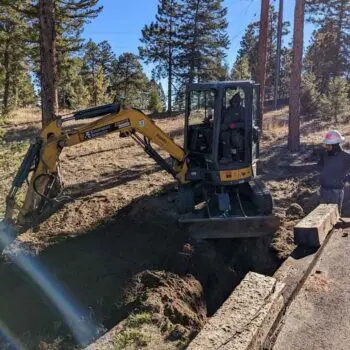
x: 109, y: 180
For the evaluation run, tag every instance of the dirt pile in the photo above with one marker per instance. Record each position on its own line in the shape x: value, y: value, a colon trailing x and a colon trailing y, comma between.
x: 175, y: 305
x: 295, y: 210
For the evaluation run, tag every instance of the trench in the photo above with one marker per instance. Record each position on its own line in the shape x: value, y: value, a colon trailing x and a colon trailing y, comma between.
x: 95, y: 269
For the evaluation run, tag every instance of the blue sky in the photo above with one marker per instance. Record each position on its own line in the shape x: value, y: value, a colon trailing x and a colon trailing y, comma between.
x: 122, y: 20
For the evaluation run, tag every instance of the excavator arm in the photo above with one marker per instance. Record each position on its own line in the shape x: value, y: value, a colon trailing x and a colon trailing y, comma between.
x: 40, y: 166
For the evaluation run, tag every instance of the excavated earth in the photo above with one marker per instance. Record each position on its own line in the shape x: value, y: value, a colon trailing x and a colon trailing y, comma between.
x: 116, y: 251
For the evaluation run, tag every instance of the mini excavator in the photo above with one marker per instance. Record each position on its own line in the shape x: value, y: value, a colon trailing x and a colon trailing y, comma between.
x: 219, y: 195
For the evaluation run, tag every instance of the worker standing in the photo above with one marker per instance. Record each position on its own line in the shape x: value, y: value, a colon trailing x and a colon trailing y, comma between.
x: 335, y: 166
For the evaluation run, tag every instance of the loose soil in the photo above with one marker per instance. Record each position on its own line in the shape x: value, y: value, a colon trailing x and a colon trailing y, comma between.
x: 116, y: 250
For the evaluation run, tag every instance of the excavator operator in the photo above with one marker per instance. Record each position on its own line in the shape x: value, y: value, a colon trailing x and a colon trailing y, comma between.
x: 231, y: 136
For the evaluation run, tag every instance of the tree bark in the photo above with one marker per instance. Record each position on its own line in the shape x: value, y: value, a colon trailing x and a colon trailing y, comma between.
x: 48, y: 68
x: 278, y: 55
x: 5, y: 106
x: 170, y: 70
x: 94, y: 84
x: 295, y: 82
x: 170, y: 82
x: 340, y: 30
x: 194, y: 43
x: 262, y: 54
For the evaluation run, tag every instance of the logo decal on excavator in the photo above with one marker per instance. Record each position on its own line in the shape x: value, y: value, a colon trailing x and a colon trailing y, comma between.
x: 142, y: 123
x: 98, y: 132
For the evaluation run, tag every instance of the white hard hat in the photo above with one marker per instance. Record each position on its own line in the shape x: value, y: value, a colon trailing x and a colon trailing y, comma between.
x: 333, y: 137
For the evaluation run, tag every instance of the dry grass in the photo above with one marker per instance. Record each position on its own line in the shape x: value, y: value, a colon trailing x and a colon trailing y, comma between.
x: 25, y: 116
x: 11, y: 155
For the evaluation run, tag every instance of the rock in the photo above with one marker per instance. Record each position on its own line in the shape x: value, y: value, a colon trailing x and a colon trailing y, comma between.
x: 295, y: 210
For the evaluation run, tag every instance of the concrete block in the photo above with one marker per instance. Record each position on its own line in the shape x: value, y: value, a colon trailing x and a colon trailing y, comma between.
x: 313, y: 229
x: 245, y: 318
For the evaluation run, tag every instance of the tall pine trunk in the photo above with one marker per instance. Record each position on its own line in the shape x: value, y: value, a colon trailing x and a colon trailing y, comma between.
x: 48, y: 73
x: 5, y: 106
x: 94, y: 85
x: 295, y: 82
x: 262, y: 54
x: 278, y: 54
x: 170, y: 82
x: 194, y: 45
x: 340, y: 29
x: 126, y: 83
x: 170, y: 69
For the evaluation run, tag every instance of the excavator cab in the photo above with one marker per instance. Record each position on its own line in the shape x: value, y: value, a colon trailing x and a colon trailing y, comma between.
x: 222, y: 130
x: 223, y: 197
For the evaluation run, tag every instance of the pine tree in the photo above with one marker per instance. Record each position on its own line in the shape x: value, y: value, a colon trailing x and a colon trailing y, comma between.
x: 48, y: 66
x: 262, y: 55
x: 322, y: 57
x: 217, y: 69
x: 93, y: 73
x: 295, y: 83
x: 335, y: 102
x: 100, y: 93
x: 159, y: 43
x: 338, y: 13
x: 161, y: 96
x: 240, y: 70
x: 80, y: 95
x: 22, y: 90
x: 203, y: 38
x: 72, y: 91
x: 70, y: 18
x: 309, y: 98
x: 13, y: 58
x: 285, y: 72
x: 106, y: 57
x: 248, y: 52
x: 128, y: 81
x: 249, y: 48
x: 155, y: 104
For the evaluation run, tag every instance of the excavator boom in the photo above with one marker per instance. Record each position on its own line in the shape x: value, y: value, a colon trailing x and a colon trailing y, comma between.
x: 42, y: 158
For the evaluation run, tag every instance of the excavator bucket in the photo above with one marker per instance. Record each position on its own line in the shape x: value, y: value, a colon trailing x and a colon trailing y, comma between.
x: 230, y: 227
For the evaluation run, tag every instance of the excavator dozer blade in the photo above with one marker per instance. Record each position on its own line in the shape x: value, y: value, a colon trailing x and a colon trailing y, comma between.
x: 230, y: 227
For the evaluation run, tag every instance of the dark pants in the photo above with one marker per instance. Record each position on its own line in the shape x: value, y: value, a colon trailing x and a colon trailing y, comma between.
x: 332, y: 196
x: 232, y: 143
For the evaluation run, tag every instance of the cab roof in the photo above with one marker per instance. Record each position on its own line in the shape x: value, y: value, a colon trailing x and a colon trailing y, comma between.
x: 220, y: 84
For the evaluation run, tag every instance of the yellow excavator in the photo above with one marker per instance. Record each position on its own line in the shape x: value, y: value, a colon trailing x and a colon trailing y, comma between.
x: 219, y: 195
